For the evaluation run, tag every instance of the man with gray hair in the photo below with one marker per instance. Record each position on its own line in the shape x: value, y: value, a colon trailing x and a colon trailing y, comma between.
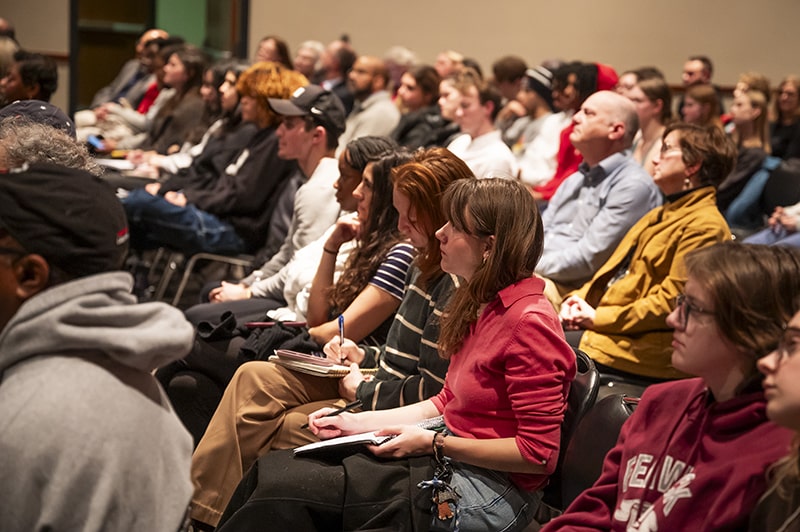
x: 594, y: 207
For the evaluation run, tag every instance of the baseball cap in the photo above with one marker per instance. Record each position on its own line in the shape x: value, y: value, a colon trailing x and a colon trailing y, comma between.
x: 40, y: 112
x: 312, y: 100
x: 68, y: 216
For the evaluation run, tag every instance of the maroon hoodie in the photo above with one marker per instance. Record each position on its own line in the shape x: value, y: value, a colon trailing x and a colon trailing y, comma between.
x: 682, y: 462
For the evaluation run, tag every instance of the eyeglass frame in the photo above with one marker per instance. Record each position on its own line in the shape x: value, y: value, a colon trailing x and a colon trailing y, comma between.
x: 685, y: 307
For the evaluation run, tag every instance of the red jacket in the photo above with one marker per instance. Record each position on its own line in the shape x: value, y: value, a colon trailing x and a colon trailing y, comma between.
x: 568, y: 159
x: 682, y: 462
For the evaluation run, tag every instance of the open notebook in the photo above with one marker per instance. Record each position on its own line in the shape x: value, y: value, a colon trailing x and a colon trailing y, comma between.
x: 366, y: 438
x: 312, y: 364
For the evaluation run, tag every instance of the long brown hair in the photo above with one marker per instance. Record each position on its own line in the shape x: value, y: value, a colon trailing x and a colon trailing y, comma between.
x: 378, y: 234
x: 423, y: 181
x: 502, y: 208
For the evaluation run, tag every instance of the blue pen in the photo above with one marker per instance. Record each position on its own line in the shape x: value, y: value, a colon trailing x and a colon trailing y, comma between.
x: 341, y: 329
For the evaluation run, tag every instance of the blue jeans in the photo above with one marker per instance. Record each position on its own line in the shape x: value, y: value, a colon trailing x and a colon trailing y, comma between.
x: 155, y: 222
x: 490, y: 501
x: 779, y: 237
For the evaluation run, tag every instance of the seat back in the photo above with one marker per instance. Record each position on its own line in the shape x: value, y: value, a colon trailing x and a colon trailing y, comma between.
x: 595, y: 435
x: 582, y: 395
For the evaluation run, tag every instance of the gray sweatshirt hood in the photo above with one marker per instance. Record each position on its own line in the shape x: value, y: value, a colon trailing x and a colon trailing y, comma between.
x: 96, y: 313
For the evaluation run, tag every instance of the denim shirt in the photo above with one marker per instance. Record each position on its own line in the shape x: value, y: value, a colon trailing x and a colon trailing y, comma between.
x: 590, y: 213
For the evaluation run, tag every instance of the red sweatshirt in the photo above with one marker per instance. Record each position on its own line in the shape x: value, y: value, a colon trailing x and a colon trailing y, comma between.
x: 682, y: 462
x: 568, y: 159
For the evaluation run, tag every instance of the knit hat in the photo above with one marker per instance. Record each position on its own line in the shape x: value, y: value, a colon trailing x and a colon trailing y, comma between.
x: 539, y: 80
x: 312, y: 100
x: 70, y: 217
x: 41, y: 113
x: 606, y: 77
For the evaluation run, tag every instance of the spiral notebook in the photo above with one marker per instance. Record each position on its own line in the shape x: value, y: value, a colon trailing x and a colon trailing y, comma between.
x: 367, y: 438
x: 312, y: 364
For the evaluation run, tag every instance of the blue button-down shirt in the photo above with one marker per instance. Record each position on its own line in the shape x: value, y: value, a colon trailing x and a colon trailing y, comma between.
x: 590, y: 213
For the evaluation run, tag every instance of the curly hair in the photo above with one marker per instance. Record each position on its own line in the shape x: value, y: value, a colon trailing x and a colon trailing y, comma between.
x: 24, y: 141
x: 265, y: 80
x: 504, y: 209
x: 378, y: 235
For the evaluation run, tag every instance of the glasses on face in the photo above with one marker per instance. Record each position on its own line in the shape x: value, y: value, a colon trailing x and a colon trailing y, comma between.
x: 685, y: 307
x: 789, y: 343
x: 666, y: 148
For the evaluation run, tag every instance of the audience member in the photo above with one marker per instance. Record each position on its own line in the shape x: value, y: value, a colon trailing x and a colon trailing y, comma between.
x: 779, y: 507
x: 749, y: 114
x: 785, y: 130
x: 32, y: 76
x: 448, y: 63
x: 588, y: 79
x: 232, y: 213
x: 306, y: 60
x: 133, y: 78
x: 596, y: 206
x: 398, y: 61
x: 536, y: 101
x: 373, y: 112
x: 700, y: 106
x: 671, y: 467
x: 417, y: 96
x: 480, y: 144
x: 653, y: 101
x: 629, y: 78
x: 538, y: 163
x: 410, y: 369
x: 698, y: 70
x: 8, y: 47
x: 502, y: 403
x: 783, y: 226
x: 89, y: 439
x: 7, y: 29
x: 619, y: 315
x: 182, y: 114
x: 275, y: 50
x: 337, y: 60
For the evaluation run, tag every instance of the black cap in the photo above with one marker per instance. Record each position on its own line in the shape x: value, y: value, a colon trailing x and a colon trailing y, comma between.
x: 70, y: 217
x: 41, y: 113
x: 312, y: 100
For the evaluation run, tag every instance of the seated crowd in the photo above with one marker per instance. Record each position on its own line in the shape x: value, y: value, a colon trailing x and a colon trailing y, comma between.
x: 452, y: 244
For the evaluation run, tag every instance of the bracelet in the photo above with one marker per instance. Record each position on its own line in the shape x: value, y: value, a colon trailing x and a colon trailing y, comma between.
x: 438, y: 446
x: 326, y: 250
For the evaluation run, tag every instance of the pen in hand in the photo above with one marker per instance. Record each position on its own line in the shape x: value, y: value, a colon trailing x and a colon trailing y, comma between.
x: 345, y: 408
x: 341, y: 336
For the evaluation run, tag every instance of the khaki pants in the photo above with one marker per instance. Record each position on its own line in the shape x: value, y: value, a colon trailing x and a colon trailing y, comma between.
x: 262, y: 409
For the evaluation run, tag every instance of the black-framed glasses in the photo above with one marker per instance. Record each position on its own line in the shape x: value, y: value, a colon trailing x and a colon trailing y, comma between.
x: 789, y: 343
x: 685, y: 307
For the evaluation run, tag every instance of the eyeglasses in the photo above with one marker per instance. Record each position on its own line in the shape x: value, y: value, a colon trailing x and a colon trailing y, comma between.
x: 685, y: 307
x: 789, y: 343
x: 666, y: 148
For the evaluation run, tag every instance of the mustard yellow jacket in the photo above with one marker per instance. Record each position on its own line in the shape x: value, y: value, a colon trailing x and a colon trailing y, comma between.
x: 630, y: 332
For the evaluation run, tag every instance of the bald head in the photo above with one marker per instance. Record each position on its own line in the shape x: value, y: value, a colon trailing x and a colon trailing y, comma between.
x: 605, y: 124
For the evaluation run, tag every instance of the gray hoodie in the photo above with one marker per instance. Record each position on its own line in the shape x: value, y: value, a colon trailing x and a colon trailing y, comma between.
x: 82, y: 446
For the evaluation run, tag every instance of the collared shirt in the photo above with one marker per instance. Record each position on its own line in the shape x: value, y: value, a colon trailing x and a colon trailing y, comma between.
x: 590, y: 213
